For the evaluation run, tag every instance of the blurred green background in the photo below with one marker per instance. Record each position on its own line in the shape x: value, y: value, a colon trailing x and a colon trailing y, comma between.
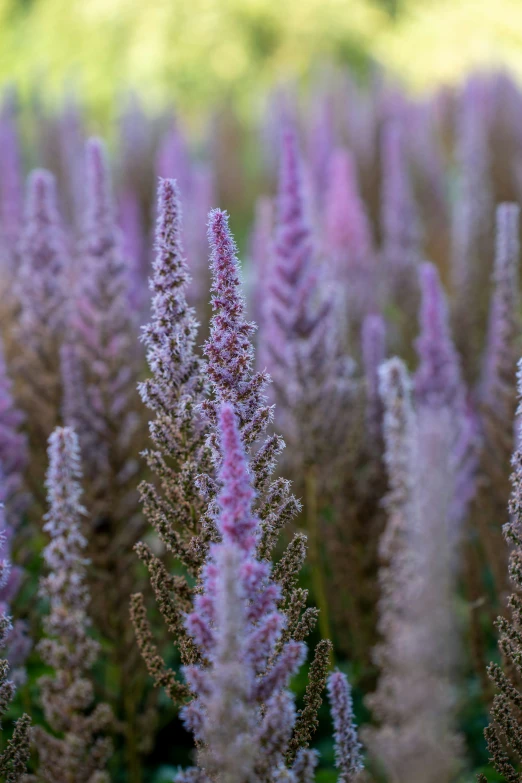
x: 192, y: 51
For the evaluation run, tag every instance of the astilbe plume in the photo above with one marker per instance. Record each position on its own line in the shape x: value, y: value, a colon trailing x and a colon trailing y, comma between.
x: 497, y: 396
x: 179, y: 455
x: 302, y: 340
x: 234, y: 381
x: 41, y: 291
x: 101, y: 367
x: 15, y: 755
x: 312, y: 382
x: 504, y: 733
x: 76, y: 750
x: 348, y: 760
x: 414, y: 703
x: 242, y: 714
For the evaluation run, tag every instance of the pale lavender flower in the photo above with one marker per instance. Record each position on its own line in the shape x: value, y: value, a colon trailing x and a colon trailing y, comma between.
x: 416, y: 740
x: 103, y: 363
x: 179, y: 456
x: 103, y: 339
x: 301, y: 334
x: 229, y: 350
x: 503, y: 344
x: 14, y: 758
x: 80, y: 751
x: 440, y: 390
x: 348, y: 758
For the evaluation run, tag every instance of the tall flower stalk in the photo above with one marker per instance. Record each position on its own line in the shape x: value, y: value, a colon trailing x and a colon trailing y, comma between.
x: 416, y: 740
x: 312, y: 384
x: 242, y: 715
x: 75, y: 749
x: 504, y: 733
x: 101, y: 366
x: 42, y: 293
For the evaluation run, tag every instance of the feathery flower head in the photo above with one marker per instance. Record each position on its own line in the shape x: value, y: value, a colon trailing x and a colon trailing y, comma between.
x: 41, y: 283
x: 348, y: 758
x: 237, y: 626
x: 229, y: 349
x: 81, y: 752
x: 503, y: 340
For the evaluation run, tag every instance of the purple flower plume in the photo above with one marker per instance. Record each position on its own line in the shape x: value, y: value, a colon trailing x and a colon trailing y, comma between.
x: 229, y: 349
x: 80, y: 752
x: 347, y: 747
x: 237, y: 627
x: 14, y: 758
x: 302, y: 335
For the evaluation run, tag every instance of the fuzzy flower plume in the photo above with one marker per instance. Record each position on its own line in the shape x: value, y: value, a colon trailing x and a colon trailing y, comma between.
x: 416, y: 740
x: 76, y: 749
x: 440, y: 391
x: 104, y: 342
x: 497, y: 399
x: 231, y: 364
x: 179, y: 454
x: 242, y: 714
x: 40, y: 328
x: 229, y: 349
x: 101, y: 366
x: 347, y: 747
x: 312, y: 383
x: 15, y: 755
x: 101, y: 358
x: 504, y: 733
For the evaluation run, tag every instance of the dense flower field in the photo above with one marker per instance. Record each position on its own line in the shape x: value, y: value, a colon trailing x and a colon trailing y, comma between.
x: 234, y: 492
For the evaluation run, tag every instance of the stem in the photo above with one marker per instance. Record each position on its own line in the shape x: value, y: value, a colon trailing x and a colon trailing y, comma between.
x: 314, y: 553
x: 133, y: 756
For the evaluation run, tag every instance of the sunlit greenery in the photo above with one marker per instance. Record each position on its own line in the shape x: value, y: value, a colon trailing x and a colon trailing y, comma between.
x: 190, y: 51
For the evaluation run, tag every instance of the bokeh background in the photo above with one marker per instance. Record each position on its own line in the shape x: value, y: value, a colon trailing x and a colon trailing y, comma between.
x: 191, y: 52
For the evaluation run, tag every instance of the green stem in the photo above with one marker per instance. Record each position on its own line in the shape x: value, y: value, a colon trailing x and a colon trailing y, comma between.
x: 314, y: 552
